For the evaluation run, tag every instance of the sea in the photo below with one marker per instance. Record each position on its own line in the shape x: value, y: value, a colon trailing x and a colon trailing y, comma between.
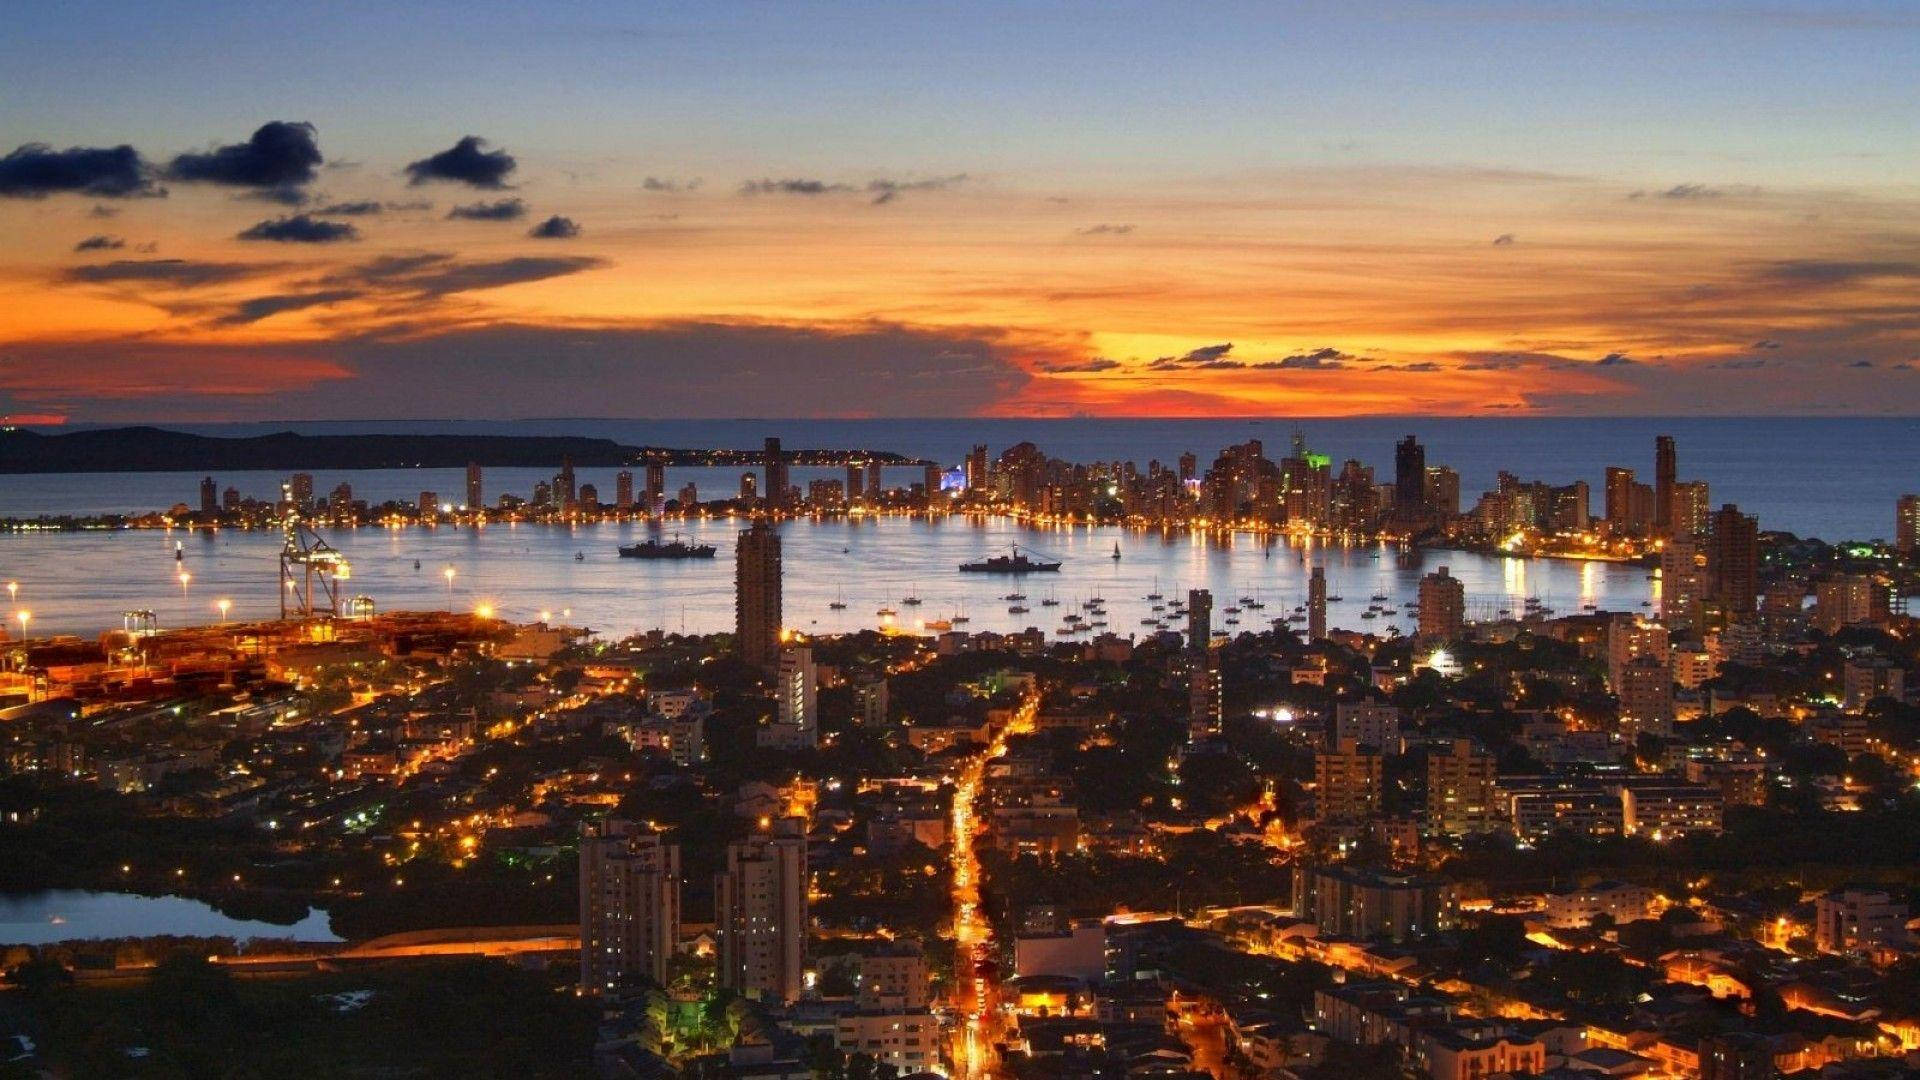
x: 1825, y: 477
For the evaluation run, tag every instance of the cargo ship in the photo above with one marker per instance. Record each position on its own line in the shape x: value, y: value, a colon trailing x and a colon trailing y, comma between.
x: 672, y: 549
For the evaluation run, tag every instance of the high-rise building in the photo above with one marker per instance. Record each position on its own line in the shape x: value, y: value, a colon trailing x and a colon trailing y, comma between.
x: 760, y: 912
x: 1317, y: 604
x: 1664, y: 476
x: 1848, y: 600
x: 930, y: 479
x: 796, y: 724
x: 977, y: 470
x: 476, y: 491
x: 1443, y: 491
x: 1373, y: 724
x: 1906, y: 524
x: 589, y: 497
x: 564, y: 488
x: 629, y: 905
x: 1364, y: 903
x: 1409, y: 477
x: 876, y: 480
x: 1629, y: 639
x: 756, y: 594
x: 1624, y: 505
x: 300, y: 489
x: 230, y: 498
x: 623, y: 490
x: 1733, y: 560
x: 776, y: 464
x: 856, y: 482
x: 1204, y: 696
x: 1690, y: 509
x: 1443, y: 607
x: 1461, y: 796
x: 749, y: 487
x: 209, y: 496
x: 656, y: 482
x: 1347, y: 782
x: 1683, y: 581
x: 1199, y: 618
x: 428, y: 504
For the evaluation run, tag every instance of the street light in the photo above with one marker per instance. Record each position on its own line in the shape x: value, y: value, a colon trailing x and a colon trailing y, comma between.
x: 184, y: 578
x: 13, y: 591
x: 223, y: 605
x: 24, y: 617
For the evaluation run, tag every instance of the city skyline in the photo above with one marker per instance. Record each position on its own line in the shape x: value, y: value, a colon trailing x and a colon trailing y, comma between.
x: 1012, y: 210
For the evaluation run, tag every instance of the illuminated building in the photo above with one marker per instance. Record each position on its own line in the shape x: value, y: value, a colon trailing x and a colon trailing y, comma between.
x: 1367, y: 723
x: 209, y: 496
x: 300, y: 490
x: 756, y: 594
x: 796, y: 723
x: 1628, y: 639
x: 1845, y: 919
x: 428, y: 504
x: 1204, y: 696
x: 760, y: 912
x: 1863, y: 679
x: 1848, y: 600
x: 977, y: 469
x: 1347, y: 782
x: 1367, y: 904
x: 564, y: 488
x: 623, y: 490
x: 876, y: 483
x: 1691, y: 508
x: 1645, y: 690
x: 1443, y: 607
x: 1461, y: 795
x: 1683, y: 582
x: 476, y: 492
x: 1906, y: 524
x: 629, y: 905
x: 1443, y: 491
x: 749, y: 487
x: 856, y: 482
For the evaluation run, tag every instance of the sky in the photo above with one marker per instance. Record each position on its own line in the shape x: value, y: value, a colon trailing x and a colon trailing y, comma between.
x: 268, y: 210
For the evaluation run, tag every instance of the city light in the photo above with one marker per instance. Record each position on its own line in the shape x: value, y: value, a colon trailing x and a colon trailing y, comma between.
x: 224, y: 605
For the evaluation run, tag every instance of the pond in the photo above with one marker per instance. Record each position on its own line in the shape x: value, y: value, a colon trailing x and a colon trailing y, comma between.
x: 69, y: 915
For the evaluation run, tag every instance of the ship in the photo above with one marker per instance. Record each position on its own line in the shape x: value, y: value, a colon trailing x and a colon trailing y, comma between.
x: 672, y: 549
x: 1016, y: 563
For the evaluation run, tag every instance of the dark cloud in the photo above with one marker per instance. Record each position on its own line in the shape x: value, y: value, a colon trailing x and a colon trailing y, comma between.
x: 695, y: 368
x: 280, y: 196
x: 1838, y: 271
x: 100, y: 242
x: 1767, y: 343
x: 279, y: 158
x: 885, y: 191
x: 430, y: 275
x: 1417, y: 366
x: 1861, y: 363
x: 1615, y: 359
x: 1505, y: 239
x: 510, y: 209
x: 1077, y: 367
x: 465, y: 163
x: 36, y: 170
x: 555, y: 228
x: 262, y: 307
x: 102, y: 211
x: 1690, y: 191
x: 359, y: 208
x: 792, y: 187
x: 300, y: 229
x: 663, y: 184
x: 1104, y: 229
x: 1326, y: 359
x: 178, y: 273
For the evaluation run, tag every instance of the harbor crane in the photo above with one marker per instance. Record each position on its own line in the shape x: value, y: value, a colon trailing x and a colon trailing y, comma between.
x: 310, y: 568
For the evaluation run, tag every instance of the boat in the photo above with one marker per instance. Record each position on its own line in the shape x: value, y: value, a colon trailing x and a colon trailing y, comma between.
x: 1232, y: 622
x: 672, y: 549
x: 1368, y: 615
x: 1230, y: 611
x: 1017, y: 609
x: 1048, y: 601
x: 1149, y: 622
x: 1335, y: 599
x: 1098, y: 624
x: 579, y: 556
x: 1116, y: 552
x: 910, y: 601
x: 837, y: 606
x: 886, y: 613
x: 1095, y: 602
x: 1016, y: 563
x: 1379, y: 597
x: 1016, y: 597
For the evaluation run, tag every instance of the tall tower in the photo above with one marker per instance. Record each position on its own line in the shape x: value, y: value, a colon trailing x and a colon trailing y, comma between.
x: 1733, y: 560
x: 656, y: 483
x: 623, y: 490
x: 1204, y: 694
x: 856, y: 481
x: 1409, y: 477
x: 756, y: 594
x: 1664, y: 475
x: 760, y: 912
x: 564, y: 488
x: 209, y: 496
x: 1906, y: 523
x: 629, y: 905
x: 1317, y: 604
x: 776, y: 460
x: 1443, y: 606
x: 476, y: 493
x: 1199, y: 619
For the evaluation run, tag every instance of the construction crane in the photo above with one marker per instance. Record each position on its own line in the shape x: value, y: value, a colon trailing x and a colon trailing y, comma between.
x: 310, y: 568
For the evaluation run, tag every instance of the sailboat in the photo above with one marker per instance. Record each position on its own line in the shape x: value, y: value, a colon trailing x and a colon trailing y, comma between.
x: 1116, y: 553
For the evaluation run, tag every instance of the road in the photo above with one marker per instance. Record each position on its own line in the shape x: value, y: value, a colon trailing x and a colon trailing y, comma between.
x: 973, y: 997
